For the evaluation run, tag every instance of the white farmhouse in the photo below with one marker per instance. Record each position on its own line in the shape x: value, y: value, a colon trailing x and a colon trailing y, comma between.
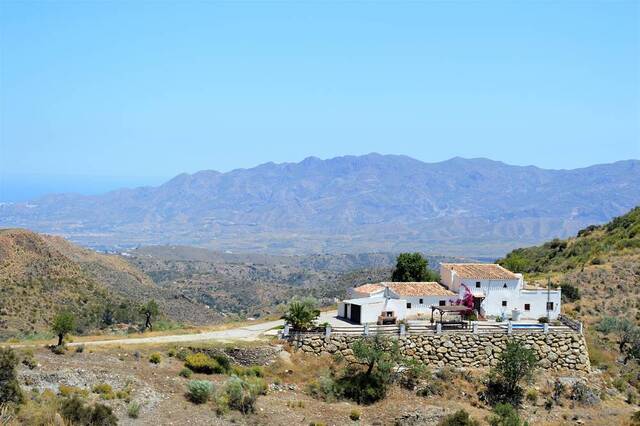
x: 500, y: 292
x: 393, y: 299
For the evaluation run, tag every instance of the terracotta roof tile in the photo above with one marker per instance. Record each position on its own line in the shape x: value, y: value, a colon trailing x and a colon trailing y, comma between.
x: 369, y: 288
x: 418, y: 289
x: 482, y: 271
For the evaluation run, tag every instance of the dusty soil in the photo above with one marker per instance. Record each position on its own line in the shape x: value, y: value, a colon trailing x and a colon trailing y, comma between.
x: 161, y: 392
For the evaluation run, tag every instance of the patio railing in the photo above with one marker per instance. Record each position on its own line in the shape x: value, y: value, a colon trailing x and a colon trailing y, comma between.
x: 425, y: 328
x: 571, y: 323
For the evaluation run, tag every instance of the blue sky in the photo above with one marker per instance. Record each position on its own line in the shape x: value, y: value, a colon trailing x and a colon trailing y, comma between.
x: 102, y: 94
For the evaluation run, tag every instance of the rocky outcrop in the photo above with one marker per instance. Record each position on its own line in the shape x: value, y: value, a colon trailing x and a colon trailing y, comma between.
x: 554, y: 350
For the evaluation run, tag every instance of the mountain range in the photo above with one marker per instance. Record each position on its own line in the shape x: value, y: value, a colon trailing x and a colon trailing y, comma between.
x: 386, y: 203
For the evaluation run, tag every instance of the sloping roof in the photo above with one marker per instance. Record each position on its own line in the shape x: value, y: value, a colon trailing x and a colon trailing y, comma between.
x: 481, y: 271
x: 418, y: 289
x: 369, y: 288
x: 365, y: 301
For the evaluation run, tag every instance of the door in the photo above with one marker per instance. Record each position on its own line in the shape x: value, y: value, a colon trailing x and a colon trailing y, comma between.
x: 355, y: 313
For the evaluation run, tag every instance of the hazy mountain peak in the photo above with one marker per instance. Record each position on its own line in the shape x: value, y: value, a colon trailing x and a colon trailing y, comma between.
x: 371, y: 202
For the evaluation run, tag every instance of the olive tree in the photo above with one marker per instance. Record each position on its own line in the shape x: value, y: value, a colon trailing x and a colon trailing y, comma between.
x: 516, y: 364
x: 63, y: 324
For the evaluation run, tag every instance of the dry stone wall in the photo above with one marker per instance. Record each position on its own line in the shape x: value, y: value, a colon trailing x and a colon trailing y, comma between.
x: 554, y: 350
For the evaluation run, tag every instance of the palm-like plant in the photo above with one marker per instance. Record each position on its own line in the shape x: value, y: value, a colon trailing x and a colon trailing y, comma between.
x: 302, y: 313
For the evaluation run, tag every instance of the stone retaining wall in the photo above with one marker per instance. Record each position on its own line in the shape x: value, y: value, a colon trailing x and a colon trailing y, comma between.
x: 554, y: 350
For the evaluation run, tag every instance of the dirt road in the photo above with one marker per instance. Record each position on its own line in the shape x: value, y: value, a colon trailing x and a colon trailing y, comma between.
x: 245, y: 333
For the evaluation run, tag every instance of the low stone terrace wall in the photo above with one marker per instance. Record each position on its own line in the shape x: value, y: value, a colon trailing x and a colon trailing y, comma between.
x: 554, y: 350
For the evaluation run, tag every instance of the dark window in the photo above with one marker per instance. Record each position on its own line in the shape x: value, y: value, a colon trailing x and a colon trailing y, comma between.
x: 477, y: 284
x: 408, y: 305
x: 549, y: 306
x: 527, y: 307
x: 442, y: 303
x: 421, y: 302
x: 504, y: 303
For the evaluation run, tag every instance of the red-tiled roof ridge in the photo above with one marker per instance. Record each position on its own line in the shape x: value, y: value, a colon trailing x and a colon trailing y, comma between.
x: 490, y: 271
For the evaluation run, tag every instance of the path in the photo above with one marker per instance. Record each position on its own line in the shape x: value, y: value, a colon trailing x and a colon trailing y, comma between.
x: 246, y: 333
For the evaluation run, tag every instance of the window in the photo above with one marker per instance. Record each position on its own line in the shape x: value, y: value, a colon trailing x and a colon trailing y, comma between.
x: 421, y: 302
x: 477, y: 284
x: 527, y: 306
x: 504, y: 303
x: 549, y: 306
x: 408, y: 305
x: 505, y: 285
x: 442, y: 303
x: 388, y: 314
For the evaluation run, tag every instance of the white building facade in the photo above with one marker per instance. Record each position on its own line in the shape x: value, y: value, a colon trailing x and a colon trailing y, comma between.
x: 401, y: 300
x: 498, y: 292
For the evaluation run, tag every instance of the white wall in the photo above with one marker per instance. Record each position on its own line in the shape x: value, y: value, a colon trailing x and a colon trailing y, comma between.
x: 369, y: 312
x: 425, y: 306
x: 537, y: 300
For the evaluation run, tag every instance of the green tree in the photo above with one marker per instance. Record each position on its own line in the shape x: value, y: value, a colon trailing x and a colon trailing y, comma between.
x: 63, y: 324
x: 413, y: 267
x: 150, y: 310
x: 378, y: 356
x: 515, y: 364
x: 9, y: 387
x: 301, y: 313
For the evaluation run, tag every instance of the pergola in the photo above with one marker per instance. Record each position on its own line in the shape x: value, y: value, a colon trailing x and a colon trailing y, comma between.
x: 454, y: 310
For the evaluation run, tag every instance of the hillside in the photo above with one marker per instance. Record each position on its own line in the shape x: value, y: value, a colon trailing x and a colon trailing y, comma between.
x: 41, y: 275
x: 599, y: 270
x: 602, y: 262
x: 254, y: 285
x: 371, y: 203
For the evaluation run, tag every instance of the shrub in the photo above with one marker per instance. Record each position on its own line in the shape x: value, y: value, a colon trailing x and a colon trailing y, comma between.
x: 324, y: 388
x: 583, y: 394
x: 363, y: 388
x: 102, y: 388
x: 570, y: 293
x: 171, y: 352
x: 505, y: 415
x: 133, y: 409
x: 185, y: 372
x: 155, y: 358
x: 431, y: 388
x: 199, y: 391
x: 79, y: 349
x: 253, y: 371
x: 67, y: 391
x: 29, y: 361
x: 225, y: 364
x: 76, y: 411
x: 415, y: 373
x: 59, y: 349
x: 354, y: 415
x: 543, y: 320
x: 459, y: 418
x: 241, y: 394
x: 9, y: 387
x: 182, y: 354
x: 202, y: 363
x: 532, y: 396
